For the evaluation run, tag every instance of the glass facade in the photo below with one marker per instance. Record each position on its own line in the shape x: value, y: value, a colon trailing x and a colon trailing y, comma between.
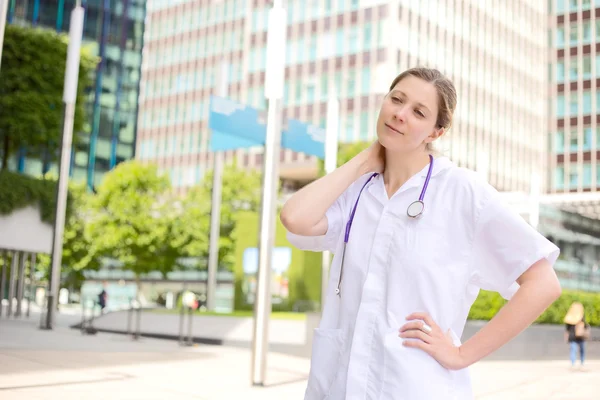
x: 113, y: 31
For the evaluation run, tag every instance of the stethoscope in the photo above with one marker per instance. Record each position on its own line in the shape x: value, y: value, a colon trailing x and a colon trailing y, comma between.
x: 414, y: 210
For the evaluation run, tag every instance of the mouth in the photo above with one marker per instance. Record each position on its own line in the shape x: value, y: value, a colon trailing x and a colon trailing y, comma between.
x: 395, y: 130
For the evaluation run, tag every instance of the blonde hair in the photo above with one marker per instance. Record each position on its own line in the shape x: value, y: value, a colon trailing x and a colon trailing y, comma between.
x: 446, y: 94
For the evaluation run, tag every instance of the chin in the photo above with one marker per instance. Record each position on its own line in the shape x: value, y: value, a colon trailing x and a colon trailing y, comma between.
x: 393, y: 144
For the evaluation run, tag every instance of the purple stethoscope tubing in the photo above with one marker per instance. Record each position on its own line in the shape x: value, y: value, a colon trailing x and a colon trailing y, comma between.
x: 419, y: 205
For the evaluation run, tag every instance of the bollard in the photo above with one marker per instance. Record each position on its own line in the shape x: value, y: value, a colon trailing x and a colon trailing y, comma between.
x: 31, y: 296
x: 20, y: 285
x: 129, y: 317
x: 181, y: 321
x: 190, y: 319
x: 82, y: 316
x: 12, y: 282
x: 138, y: 322
x: 3, y: 278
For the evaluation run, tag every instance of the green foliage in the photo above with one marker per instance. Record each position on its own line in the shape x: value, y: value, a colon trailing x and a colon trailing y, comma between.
x: 241, y: 190
x: 304, y: 273
x: 346, y: 151
x: 18, y: 191
x: 489, y: 303
x: 31, y: 89
x: 79, y: 250
x: 131, y: 219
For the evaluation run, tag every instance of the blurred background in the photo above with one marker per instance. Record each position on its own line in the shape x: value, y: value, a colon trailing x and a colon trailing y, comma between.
x: 136, y: 247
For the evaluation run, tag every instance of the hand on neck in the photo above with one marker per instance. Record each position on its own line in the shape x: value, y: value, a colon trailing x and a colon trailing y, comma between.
x: 401, y: 166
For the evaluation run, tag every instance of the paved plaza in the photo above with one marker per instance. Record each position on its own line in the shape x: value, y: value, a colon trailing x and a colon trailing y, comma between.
x: 64, y: 364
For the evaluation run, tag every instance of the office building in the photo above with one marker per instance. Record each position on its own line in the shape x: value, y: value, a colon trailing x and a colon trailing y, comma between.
x: 494, y: 52
x: 113, y: 31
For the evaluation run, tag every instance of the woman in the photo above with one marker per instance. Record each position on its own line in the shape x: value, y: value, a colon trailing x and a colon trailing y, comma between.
x: 577, y: 332
x: 395, y: 311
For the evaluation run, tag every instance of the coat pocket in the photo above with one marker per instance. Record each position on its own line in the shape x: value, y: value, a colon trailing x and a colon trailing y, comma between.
x: 412, y: 372
x: 326, y: 352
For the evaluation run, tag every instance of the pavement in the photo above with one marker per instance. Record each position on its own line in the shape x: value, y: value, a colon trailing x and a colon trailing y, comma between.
x: 294, y: 337
x: 64, y: 364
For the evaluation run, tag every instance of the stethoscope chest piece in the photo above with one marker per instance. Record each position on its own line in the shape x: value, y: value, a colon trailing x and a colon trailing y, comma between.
x: 415, y: 209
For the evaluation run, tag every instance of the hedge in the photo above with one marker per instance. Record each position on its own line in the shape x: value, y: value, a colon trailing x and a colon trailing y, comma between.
x: 489, y: 303
x: 18, y: 191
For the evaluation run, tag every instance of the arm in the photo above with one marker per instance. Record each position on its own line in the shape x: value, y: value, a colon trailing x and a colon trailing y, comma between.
x: 539, y: 287
x: 304, y: 212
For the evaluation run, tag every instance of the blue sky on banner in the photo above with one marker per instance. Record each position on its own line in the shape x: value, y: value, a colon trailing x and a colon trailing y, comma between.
x: 235, y: 125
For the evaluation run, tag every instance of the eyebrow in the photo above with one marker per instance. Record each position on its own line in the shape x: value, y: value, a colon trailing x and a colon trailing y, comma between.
x: 404, y: 94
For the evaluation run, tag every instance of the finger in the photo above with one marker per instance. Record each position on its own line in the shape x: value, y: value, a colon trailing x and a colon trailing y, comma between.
x: 415, y: 334
x: 417, y: 344
x: 423, y: 316
x: 418, y: 325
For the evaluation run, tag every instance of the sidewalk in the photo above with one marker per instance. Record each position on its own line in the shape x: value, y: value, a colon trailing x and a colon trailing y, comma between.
x: 64, y: 364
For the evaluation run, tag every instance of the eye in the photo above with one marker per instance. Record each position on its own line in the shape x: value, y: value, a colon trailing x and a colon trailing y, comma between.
x: 419, y: 113
x: 396, y: 100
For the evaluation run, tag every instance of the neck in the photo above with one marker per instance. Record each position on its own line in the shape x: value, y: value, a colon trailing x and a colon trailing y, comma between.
x: 400, y: 167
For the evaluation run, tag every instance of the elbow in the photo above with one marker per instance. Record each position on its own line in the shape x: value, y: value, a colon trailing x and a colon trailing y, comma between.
x: 287, y: 219
x: 556, y: 290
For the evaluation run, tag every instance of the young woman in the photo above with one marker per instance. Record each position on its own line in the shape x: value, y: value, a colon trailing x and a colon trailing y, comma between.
x: 577, y: 331
x: 415, y: 237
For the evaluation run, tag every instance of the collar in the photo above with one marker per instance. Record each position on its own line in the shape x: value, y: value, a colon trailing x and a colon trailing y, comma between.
x: 377, y: 187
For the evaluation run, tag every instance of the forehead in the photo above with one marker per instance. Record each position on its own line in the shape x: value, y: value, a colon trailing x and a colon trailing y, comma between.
x: 418, y: 91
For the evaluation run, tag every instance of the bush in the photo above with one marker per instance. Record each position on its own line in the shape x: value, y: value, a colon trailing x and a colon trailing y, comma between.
x: 489, y: 303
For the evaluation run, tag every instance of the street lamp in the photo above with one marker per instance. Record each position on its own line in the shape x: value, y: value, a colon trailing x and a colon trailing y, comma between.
x: 3, y: 12
x: 276, y: 37
x: 69, y: 99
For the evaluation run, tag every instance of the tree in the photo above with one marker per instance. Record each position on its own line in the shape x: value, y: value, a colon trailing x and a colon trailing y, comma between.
x: 132, y: 219
x: 31, y: 89
x: 346, y: 151
x: 79, y: 250
x: 241, y: 191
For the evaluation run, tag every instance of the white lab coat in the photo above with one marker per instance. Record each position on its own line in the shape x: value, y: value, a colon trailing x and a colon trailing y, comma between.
x: 465, y: 240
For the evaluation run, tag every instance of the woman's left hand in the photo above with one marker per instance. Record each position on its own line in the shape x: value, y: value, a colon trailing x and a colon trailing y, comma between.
x: 430, y: 338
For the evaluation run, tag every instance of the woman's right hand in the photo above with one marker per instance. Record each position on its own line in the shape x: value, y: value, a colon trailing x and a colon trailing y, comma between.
x: 374, y: 158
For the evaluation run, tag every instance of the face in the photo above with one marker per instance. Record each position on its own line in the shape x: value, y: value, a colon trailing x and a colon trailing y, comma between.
x: 408, y: 115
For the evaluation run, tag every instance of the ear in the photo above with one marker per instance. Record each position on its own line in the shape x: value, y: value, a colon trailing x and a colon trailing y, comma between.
x: 436, y: 134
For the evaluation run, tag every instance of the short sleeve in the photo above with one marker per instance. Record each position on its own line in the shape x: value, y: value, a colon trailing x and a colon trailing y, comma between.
x: 328, y: 241
x: 505, y: 246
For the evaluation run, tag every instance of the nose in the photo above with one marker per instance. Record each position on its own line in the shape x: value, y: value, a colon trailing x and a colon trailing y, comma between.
x: 400, y: 113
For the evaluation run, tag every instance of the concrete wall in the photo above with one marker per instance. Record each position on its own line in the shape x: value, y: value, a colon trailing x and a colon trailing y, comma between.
x: 24, y: 230
x: 538, y: 342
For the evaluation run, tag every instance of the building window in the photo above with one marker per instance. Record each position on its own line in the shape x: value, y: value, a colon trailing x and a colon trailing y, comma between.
x: 573, y: 105
x: 573, y: 31
x: 573, y: 71
x: 587, y: 102
x: 587, y: 67
x: 560, y: 6
x: 364, y: 125
x: 587, y: 138
x: 587, y: 31
x: 367, y: 36
x: 573, y: 179
x: 350, y: 127
x: 560, y: 71
x: 587, y: 175
x: 573, y: 142
x: 366, y: 81
x: 559, y: 142
x: 560, y: 36
x: 560, y: 105
x: 559, y: 177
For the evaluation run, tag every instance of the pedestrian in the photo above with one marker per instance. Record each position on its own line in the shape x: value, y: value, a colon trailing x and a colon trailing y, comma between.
x: 577, y: 332
x: 415, y: 238
x: 102, y: 299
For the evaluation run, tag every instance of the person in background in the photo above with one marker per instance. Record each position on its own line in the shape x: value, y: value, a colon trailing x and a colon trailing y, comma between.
x: 577, y: 332
x: 102, y: 299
